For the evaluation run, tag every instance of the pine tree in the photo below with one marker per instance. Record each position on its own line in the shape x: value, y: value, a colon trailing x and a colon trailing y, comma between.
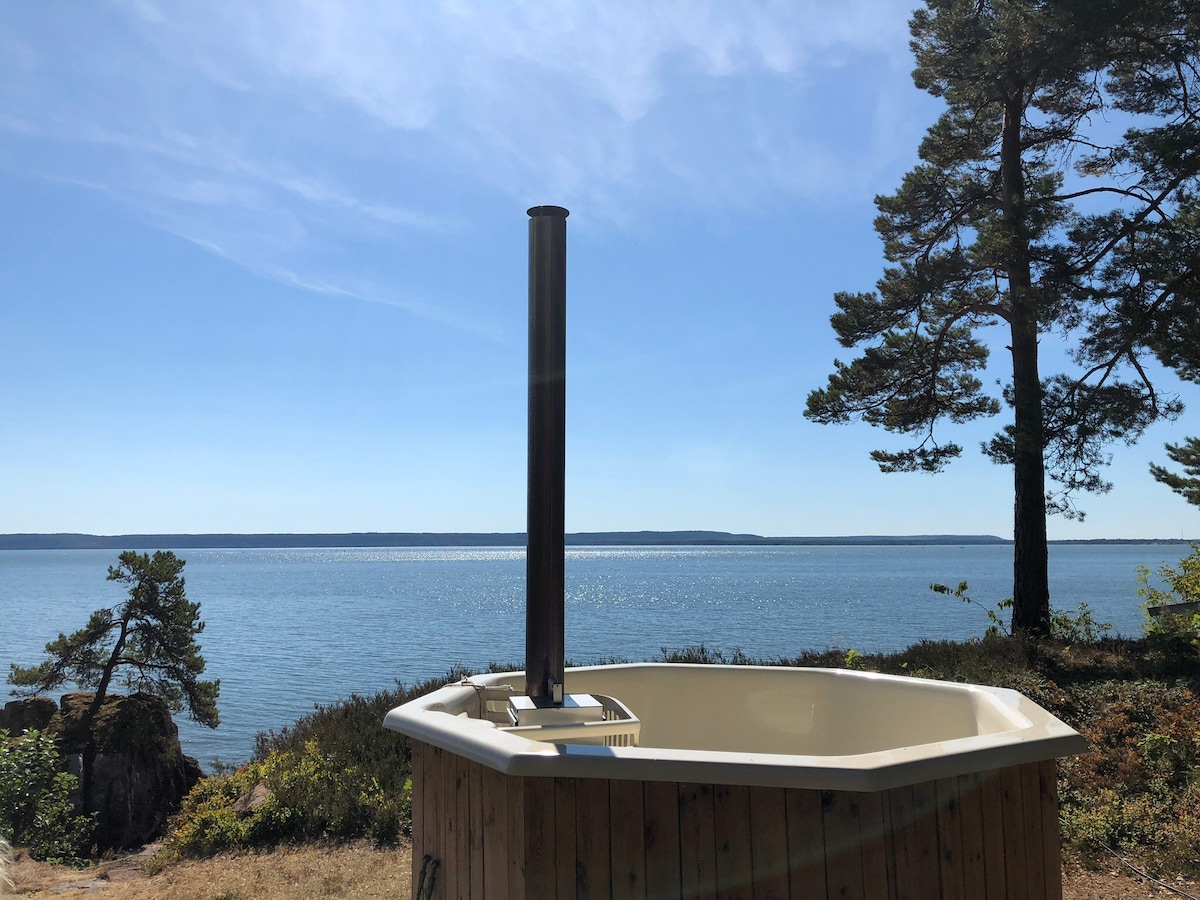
x: 1056, y: 195
x: 150, y: 637
x: 1186, y: 485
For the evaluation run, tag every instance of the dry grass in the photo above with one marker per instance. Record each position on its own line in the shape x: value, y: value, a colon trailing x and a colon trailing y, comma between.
x: 357, y: 872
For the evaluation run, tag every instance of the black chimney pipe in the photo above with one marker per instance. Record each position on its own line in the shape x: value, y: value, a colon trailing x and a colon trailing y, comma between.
x: 545, y: 501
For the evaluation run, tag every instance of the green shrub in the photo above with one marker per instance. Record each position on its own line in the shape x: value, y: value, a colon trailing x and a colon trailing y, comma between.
x: 37, y: 805
x: 1078, y: 628
x: 336, y: 774
x: 1174, y: 636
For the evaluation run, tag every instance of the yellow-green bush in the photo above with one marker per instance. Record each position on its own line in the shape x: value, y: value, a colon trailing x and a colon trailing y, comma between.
x: 302, y: 796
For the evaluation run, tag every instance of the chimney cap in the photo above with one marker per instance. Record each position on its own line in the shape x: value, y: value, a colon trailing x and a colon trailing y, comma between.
x: 556, y: 211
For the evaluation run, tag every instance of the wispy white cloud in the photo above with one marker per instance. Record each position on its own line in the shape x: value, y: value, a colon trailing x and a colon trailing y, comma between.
x: 276, y: 128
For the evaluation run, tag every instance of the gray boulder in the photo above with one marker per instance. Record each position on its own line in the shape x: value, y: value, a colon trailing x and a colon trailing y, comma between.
x: 19, y: 716
x: 139, y: 775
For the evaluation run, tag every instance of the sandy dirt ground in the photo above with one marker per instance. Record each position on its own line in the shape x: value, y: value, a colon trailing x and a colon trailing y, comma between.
x: 362, y: 872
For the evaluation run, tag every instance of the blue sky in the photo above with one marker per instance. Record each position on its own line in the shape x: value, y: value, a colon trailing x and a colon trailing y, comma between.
x: 263, y: 268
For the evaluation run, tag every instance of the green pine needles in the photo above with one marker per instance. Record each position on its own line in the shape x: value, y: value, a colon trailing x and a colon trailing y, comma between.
x: 1057, y: 199
x: 150, y: 637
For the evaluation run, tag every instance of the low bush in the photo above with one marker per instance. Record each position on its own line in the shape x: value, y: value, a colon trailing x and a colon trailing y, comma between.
x: 336, y: 774
x: 37, y: 800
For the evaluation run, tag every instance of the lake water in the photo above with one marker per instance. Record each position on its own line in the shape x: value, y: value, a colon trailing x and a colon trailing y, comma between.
x: 289, y: 628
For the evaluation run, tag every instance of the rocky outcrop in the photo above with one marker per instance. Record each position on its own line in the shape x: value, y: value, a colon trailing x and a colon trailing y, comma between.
x: 19, y: 716
x: 139, y: 773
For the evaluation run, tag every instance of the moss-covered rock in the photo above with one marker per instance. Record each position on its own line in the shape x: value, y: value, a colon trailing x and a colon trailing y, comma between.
x: 139, y: 775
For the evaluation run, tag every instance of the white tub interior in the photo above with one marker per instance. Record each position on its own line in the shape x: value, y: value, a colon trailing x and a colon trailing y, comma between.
x: 758, y: 725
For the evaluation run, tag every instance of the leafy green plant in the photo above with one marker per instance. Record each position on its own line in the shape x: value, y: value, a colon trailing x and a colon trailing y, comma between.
x: 1172, y: 633
x: 853, y: 660
x: 37, y: 807
x: 998, y: 625
x: 1079, y: 627
x: 1184, y: 582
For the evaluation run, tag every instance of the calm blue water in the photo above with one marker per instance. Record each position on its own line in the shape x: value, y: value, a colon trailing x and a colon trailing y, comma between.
x: 290, y: 628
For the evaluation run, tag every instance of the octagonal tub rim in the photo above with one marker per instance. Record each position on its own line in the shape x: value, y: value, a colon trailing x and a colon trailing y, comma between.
x: 441, y: 718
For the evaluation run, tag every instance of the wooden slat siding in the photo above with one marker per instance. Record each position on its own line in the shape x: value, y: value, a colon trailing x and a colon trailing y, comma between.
x: 541, y: 836
x: 417, y: 801
x: 841, y: 817
x: 873, y: 827
x: 697, y: 842
x: 1051, y: 837
x: 565, y: 856
x: 626, y: 804
x: 661, y: 837
x: 806, y: 844
x: 514, y: 788
x: 768, y: 843
x: 1035, y: 861
x: 994, y: 849
x: 592, y: 830
x: 950, y: 842
x: 731, y: 830
x: 495, y: 834
x: 970, y: 812
x: 475, y: 834
x: 1012, y: 814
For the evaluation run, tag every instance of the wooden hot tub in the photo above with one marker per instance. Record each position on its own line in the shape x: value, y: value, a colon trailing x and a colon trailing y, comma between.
x: 743, y: 782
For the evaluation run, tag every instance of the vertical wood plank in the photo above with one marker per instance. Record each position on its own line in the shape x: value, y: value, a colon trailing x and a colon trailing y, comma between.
x: 843, y: 845
x: 661, y: 836
x: 540, y: 835
x: 899, y: 803
x: 994, y: 849
x: 517, y: 838
x: 925, y: 831
x: 566, y: 858
x: 435, y: 814
x: 628, y: 813
x: 806, y: 844
x: 768, y: 843
x: 731, y: 829
x: 475, y: 834
x: 1012, y: 814
x: 592, y: 824
x: 1051, y: 838
x: 462, y: 806
x: 913, y: 811
x: 697, y: 842
x: 448, y: 872
x: 950, y: 843
x: 495, y: 834
x: 873, y: 827
x: 417, y: 803
x: 455, y: 872
x: 889, y: 844
x: 971, y: 812
x: 1031, y: 800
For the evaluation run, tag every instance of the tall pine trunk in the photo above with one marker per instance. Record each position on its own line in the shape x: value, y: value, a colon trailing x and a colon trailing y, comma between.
x: 1031, y: 568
